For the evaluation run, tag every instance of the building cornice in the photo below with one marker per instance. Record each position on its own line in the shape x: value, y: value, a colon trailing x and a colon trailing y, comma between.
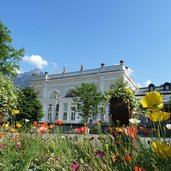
x: 98, y: 71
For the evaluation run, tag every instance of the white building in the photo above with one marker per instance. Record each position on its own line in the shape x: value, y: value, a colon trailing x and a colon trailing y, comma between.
x: 164, y: 90
x: 53, y: 89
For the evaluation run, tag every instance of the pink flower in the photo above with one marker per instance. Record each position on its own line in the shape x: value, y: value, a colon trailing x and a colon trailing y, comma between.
x: 75, y: 166
x: 100, y: 153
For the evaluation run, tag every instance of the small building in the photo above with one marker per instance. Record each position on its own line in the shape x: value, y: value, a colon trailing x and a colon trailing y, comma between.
x: 164, y: 89
x: 54, y: 90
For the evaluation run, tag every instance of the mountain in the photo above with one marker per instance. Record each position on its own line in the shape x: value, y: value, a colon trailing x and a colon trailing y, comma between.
x: 23, y: 79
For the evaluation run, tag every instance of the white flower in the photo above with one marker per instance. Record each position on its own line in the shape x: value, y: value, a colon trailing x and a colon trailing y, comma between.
x: 168, y: 126
x: 134, y: 121
x: 63, y: 137
x: 26, y: 120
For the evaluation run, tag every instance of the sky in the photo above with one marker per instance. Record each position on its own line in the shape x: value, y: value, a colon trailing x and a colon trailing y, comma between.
x: 68, y: 33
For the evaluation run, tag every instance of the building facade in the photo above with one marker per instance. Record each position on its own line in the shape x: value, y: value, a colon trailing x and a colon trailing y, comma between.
x: 164, y: 89
x: 53, y: 90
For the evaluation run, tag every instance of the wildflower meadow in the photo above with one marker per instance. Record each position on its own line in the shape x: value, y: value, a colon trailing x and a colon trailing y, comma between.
x: 43, y: 147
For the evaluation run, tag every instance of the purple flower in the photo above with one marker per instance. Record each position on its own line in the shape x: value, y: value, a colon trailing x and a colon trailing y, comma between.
x: 100, y: 153
x: 75, y: 166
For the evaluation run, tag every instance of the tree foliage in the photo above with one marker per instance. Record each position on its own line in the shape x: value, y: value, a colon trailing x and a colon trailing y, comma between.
x: 87, y: 99
x: 9, y: 57
x: 8, y: 95
x: 29, y: 105
x: 122, y: 93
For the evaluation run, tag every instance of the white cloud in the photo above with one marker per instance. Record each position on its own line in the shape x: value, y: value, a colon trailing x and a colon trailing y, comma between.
x: 35, y: 60
x: 145, y: 84
x: 148, y: 82
x: 54, y: 64
x: 139, y: 85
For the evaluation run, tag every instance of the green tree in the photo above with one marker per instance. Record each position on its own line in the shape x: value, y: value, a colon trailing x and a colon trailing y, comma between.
x: 121, y: 97
x: 8, y: 95
x: 87, y: 100
x: 29, y: 105
x: 122, y: 93
x: 9, y: 57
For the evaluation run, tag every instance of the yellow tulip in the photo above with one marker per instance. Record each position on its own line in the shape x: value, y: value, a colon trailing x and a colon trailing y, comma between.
x: 18, y: 125
x: 161, y: 149
x: 5, y: 125
x: 12, y: 130
x: 15, y: 112
x: 158, y: 116
x: 152, y: 101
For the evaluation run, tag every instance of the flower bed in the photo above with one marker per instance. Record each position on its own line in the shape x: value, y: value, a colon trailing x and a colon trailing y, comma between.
x: 120, y: 149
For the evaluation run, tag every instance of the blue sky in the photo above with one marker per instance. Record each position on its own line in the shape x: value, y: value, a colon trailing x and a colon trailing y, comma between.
x: 57, y: 33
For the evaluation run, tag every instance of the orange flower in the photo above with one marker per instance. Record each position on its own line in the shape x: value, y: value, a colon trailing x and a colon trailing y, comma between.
x: 44, y: 124
x: 126, y: 158
x: 109, y: 129
x: 118, y: 130
x: 131, y: 131
x: 59, y: 122
x: 81, y: 130
x: 136, y: 168
x: 2, y: 134
x: 78, y: 130
x: 51, y: 126
x: 113, y: 156
x: 42, y: 130
x: 35, y: 123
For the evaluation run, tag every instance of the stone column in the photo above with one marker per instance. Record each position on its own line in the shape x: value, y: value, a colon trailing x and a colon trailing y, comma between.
x: 101, y: 84
x: 44, y: 98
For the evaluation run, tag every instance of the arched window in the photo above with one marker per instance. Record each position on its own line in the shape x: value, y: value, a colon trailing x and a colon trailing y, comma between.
x: 166, y: 86
x: 151, y: 87
x: 69, y: 93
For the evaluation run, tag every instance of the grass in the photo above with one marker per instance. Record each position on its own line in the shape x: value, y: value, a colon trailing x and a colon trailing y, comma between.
x: 51, y: 152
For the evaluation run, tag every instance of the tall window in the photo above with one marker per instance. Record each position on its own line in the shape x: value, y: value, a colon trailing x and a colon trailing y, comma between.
x: 72, y: 115
x: 57, y: 112
x: 65, y: 111
x: 73, y: 108
x: 50, y: 112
